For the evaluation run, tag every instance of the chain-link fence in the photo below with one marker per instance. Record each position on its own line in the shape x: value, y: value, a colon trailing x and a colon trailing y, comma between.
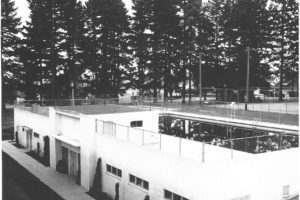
x: 264, y: 105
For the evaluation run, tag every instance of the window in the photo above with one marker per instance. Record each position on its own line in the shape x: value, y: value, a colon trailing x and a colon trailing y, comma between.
x: 136, y: 124
x: 139, y: 182
x: 285, y: 191
x: 114, y: 170
x: 172, y: 196
x: 36, y: 135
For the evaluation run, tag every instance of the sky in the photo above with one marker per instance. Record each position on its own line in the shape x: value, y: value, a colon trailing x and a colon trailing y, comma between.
x: 23, y: 10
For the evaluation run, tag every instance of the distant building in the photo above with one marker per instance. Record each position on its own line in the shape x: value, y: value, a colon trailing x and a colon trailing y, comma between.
x: 143, y: 164
x: 290, y: 88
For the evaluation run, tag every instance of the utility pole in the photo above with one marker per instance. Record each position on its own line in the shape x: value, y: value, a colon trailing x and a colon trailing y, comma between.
x: 53, y: 70
x: 247, y: 81
x: 200, y: 79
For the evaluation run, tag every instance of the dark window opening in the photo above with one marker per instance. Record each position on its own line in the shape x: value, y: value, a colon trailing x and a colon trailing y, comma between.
x: 136, y: 124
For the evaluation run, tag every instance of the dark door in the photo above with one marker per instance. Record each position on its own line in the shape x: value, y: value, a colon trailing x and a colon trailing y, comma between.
x: 46, y: 151
x: 65, y: 157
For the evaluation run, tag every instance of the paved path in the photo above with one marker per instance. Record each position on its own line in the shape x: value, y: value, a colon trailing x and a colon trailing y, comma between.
x: 61, y: 184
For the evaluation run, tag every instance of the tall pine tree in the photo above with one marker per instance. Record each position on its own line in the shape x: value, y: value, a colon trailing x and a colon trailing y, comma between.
x: 11, y: 66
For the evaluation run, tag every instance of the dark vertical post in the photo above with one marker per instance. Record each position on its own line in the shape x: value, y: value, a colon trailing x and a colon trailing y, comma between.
x: 52, y: 54
x: 247, y: 81
x: 200, y: 79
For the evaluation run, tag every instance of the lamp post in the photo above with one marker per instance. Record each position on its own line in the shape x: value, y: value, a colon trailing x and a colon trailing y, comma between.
x: 247, y: 81
x: 73, y: 82
x: 72, y: 88
x: 200, y: 78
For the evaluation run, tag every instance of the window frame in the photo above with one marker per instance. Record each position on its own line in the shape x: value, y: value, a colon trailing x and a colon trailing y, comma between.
x: 36, y: 135
x: 172, y: 194
x: 136, y: 123
x: 139, y: 182
x: 111, y: 169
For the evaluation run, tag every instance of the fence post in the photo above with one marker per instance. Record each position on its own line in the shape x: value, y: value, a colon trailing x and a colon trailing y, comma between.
x: 203, y: 153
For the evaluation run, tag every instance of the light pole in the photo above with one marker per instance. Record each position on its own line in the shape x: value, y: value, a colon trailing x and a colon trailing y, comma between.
x: 200, y: 78
x: 247, y: 81
x: 73, y: 82
x: 72, y: 88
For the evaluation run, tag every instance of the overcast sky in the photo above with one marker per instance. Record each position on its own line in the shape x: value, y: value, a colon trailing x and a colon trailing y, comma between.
x: 23, y: 10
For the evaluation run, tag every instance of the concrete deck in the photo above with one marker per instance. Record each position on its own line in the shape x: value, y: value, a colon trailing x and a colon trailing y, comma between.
x: 61, y: 184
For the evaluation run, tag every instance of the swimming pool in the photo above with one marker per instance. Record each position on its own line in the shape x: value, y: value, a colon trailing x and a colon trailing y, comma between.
x: 227, y: 136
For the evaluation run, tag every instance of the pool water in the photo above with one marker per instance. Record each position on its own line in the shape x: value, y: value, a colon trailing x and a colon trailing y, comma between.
x: 227, y: 136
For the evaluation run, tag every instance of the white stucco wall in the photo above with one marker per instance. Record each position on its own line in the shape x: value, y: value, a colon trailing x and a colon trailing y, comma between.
x: 38, y: 123
x: 68, y: 126
x: 150, y: 119
x: 261, y: 176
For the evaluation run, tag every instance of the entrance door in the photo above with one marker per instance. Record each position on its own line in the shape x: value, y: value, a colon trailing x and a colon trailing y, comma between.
x: 46, y: 151
x: 65, y: 156
x: 29, y: 139
x: 73, y: 163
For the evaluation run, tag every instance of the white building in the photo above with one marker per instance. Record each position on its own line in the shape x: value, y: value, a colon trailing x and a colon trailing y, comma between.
x: 144, y: 162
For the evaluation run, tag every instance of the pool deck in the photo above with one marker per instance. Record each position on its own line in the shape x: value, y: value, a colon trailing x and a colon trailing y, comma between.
x: 61, y: 184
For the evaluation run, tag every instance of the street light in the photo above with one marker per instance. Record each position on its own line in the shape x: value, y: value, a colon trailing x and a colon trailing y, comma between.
x: 73, y: 82
x: 72, y: 88
x: 247, y: 81
x: 200, y: 78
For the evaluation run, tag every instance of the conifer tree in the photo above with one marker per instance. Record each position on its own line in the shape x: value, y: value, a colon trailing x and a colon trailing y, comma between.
x: 107, y: 36
x: 284, y: 34
x: 140, y: 43
x: 11, y: 66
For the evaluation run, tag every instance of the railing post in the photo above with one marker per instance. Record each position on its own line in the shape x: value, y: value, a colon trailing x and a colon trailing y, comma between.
x: 203, y: 151
x: 102, y: 127
x: 179, y: 146
x: 96, y: 125
x: 160, y: 141
x: 231, y: 145
x: 143, y: 138
x: 127, y: 133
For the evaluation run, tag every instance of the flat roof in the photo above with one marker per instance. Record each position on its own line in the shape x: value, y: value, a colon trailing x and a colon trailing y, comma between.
x: 98, y: 109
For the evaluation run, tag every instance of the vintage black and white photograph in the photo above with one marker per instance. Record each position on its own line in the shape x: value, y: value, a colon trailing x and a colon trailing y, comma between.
x: 150, y: 99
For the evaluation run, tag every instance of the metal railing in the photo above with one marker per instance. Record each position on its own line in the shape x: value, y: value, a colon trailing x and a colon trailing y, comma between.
x: 202, y: 150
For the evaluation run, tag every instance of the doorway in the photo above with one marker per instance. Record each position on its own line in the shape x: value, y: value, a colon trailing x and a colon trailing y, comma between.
x: 65, y: 157
x: 73, y: 163
x: 29, y: 139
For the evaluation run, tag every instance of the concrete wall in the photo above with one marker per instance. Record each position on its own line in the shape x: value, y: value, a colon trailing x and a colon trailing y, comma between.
x: 68, y: 126
x: 150, y: 119
x: 261, y: 176
x: 88, y: 158
x: 38, y: 123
